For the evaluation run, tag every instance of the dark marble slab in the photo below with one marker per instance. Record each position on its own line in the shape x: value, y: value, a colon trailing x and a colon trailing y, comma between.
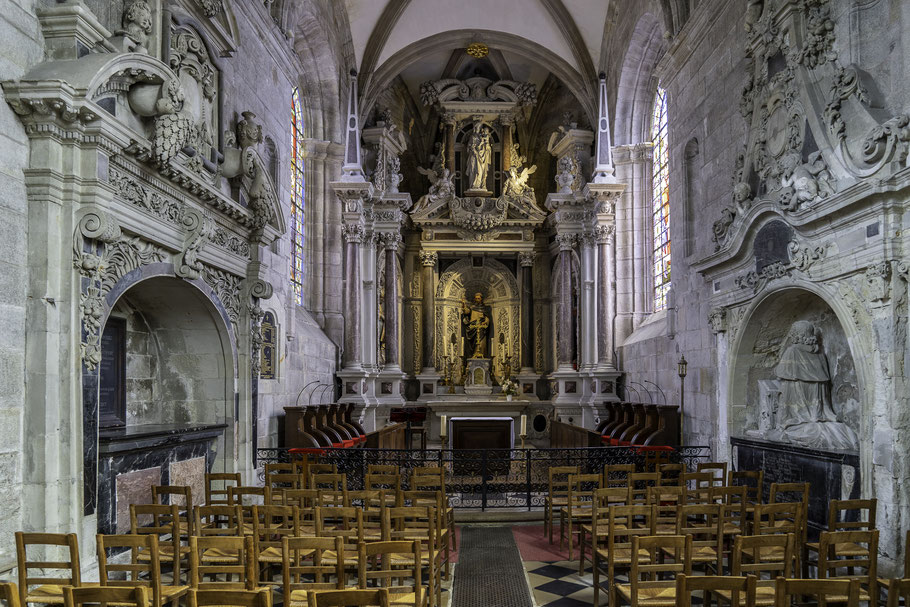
x: 823, y: 470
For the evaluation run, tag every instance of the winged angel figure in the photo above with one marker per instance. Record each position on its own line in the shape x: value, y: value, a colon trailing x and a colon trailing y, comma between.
x: 441, y: 185
x: 517, y: 181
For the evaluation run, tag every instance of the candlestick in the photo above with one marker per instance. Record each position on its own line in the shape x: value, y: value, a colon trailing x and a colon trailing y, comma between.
x: 524, y: 425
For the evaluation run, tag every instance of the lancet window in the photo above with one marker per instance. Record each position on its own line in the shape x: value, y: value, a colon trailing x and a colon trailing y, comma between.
x: 660, y: 200
x: 297, y: 197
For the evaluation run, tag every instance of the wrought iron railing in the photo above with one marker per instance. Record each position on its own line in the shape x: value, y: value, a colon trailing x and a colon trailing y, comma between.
x: 491, y: 478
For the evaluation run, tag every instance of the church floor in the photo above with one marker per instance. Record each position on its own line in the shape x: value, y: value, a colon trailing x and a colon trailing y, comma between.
x: 550, y: 578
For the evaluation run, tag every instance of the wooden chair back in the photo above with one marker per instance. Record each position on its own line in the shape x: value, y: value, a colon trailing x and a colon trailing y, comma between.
x: 898, y: 589
x: 626, y: 523
x: 49, y: 573
x: 752, y: 480
x: 428, y: 478
x: 383, y: 469
x: 279, y: 481
x: 581, y: 491
x: 666, y: 500
x: 395, y: 566
x: 378, y: 597
x: 216, y: 487
x: 133, y: 596
x: 833, y: 563
x: 558, y: 481
x: 229, y: 598
x: 138, y: 573
x: 837, y: 591
x: 345, y: 522
x: 670, y: 474
x: 232, y: 558
x: 605, y: 497
x: 328, y: 481
x: 162, y: 522
x: 218, y: 520
x: 789, y: 492
x: 305, y: 566
x: 698, y: 486
x: 852, y: 515
x: 639, y: 482
x: 703, y: 523
x: 271, y: 524
x: 314, y: 468
x: 279, y: 468
x: 649, y: 576
x: 785, y: 517
x: 9, y: 594
x: 185, y: 492
x: 717, y: 469
x: 328, y: 497
x: 246, y: 498
x: 741, y: 589
x: 389, y: 482
x: 616, y: 475
x: 766, y: 556
x: 305, y: 499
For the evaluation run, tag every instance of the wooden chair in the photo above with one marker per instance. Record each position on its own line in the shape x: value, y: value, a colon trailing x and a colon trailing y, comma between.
x: 703, y: 523
x: 717, y: 469
x: 390, y: 483
x: 579, y: 502
x: 639, y: 483
x: 765, y: 556
x: 557, y: 494
x: 433, y: 478
x: 229, y: 598
x: 752, y: 480
x: 645, y: 587
x: 134, y: 596
x: 218, y: 495
x: 246, y: 498
x: 734, y: 506
x: 836, y: 591
x: 604, y: 498
x: 382, y: 563
x: 314, y: 468
x: 436, y: 501
x: 328, y: 481
x: 304, y: 567
x: 383, y: 469
x: 413, y: 523
x: 617, y: 475
x: 219, y: 520
x: 270, y: 525
x: 623, y: 524
x: 898, y: 589
x: 140, y: 573
x: 378, y: 597
x: 666, y: 501
x: 164, y: 525
x: 670, y: 475
x: 185, y: 503
x: 862, y: 512
x: 863, y: 554
x: 279, y: 482
x: 227, y: 557
x: 47, y: 586
x: 344, y: 522
x: 698, y: 486
x: 9, y: 594
x: 741, y: 590
x: 279, y: 468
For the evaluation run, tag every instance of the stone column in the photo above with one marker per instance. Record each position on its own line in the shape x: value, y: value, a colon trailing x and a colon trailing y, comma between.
x: 369, y: 304
x: 606, y: 309
x: 391, y: 242
x: 643, y: 272
x: 428, y: 262
x: 564, y: 328
x: 587, y: 314
x: 526, y: 261
x: 353, y: 236
x: 449, y: 121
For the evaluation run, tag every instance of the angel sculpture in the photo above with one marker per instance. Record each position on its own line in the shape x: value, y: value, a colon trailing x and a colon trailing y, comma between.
x: 517, y: 181
x: 441, y: 185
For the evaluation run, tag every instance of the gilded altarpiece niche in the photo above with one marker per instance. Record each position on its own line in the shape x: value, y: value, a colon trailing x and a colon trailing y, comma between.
x: 269, y: 330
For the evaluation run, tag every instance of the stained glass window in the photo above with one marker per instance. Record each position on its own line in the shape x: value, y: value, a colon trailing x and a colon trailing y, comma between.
x: 661, y: 200
x: 297, y: 201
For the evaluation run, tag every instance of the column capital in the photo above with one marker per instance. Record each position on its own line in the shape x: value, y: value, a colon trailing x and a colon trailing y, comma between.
x: 566, y: 241
x: 603, y: 234
x: 428, y: 258
x: 527, y: 259
x: 352, y: 232
x: 390, y: 240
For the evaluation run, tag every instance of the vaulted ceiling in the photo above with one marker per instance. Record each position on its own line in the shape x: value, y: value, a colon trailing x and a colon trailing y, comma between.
x: 415, y: 39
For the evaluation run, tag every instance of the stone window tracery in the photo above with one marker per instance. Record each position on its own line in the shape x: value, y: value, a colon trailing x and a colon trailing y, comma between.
x: 297, y: 197
x: 660, y: 200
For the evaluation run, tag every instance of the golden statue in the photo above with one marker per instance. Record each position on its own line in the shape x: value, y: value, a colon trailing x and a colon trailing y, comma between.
x: 475, y: 318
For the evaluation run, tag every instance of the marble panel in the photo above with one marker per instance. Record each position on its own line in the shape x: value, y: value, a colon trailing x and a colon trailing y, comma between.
x: 134, y: 488
x: 190, y: 472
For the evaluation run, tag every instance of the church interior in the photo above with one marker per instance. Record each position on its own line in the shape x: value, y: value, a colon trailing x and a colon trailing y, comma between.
x: 443, y: 304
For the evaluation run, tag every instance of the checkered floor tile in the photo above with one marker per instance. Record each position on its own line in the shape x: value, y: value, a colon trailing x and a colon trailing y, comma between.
x: 559, y: 585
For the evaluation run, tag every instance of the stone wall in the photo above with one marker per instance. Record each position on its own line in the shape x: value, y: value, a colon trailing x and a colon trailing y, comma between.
x: 21, y: 48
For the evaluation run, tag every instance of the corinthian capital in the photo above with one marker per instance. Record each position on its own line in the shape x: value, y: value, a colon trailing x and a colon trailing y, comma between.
x: 390, y: 240
x: 604, y: 234
x: 352, y: 232
x: 428, y: 258
x: 527, y: 260
x: 566, y: 241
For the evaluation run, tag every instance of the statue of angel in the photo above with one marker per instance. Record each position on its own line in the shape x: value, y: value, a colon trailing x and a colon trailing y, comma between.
x: 517, y: 180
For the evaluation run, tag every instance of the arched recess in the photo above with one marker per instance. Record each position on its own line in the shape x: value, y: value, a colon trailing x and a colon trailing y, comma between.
x: 181, y: 371
x: 499, y: 288
x: 372, y: 85
x: 634, y: 100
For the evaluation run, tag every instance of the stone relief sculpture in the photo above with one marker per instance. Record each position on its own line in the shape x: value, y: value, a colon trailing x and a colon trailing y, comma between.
x: 480, y: 153
x: 136, y: 28
x: 803, y: 414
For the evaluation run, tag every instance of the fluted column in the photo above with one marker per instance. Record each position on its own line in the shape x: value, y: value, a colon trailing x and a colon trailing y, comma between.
x: 353, y: 236
x: 391, y: 242
x: 587, y: 314
x: 428, y: 262
x: 526, y: 261
x: 564, y: 325
x: 606, y: 309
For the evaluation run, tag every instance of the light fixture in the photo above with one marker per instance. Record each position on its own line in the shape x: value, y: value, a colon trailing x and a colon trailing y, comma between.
x: 682, y: 366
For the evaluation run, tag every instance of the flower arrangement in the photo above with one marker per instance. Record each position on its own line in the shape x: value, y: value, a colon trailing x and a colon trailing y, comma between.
x: 510, y: 388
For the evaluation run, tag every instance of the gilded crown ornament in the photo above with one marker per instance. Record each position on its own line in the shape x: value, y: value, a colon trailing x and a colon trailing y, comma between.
x: 478, y: 50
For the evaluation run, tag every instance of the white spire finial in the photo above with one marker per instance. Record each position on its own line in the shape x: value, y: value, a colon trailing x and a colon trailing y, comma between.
x: 603, y: 169
x: 352, y: 170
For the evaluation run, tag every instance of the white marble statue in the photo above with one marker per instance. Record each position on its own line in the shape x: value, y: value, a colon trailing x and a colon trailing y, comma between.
x: 480, y: 153
x: 804, y: 412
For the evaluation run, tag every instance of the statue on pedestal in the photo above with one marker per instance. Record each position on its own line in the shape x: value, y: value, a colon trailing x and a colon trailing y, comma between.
x: 804, y: 412
x: 480, y: 154
x: 475, y: 317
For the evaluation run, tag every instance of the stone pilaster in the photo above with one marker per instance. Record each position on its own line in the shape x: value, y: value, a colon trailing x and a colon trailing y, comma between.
x: 391, y: 242
x: 526, y: 261
x: 353, y: 355
x: 606, y: 297
x: 428, y: 264
x: 565, y: 334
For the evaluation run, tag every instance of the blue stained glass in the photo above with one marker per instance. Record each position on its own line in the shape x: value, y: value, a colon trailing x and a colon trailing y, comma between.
x: 297, y: 197
x: 661, y: 200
